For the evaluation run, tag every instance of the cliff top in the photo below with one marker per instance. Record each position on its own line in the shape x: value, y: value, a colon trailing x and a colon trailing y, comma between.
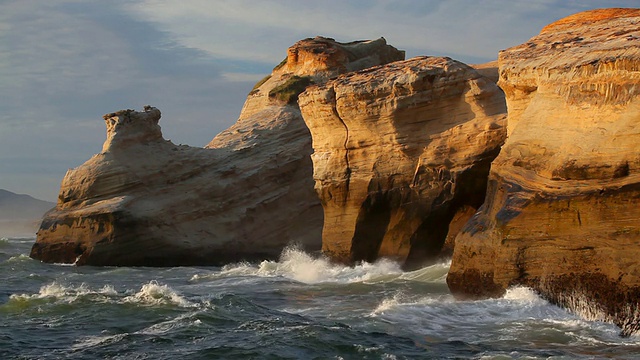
x: 319, y: 55
x: 589, y: 16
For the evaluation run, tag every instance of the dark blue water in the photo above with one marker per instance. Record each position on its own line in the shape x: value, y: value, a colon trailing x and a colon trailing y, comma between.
x: 298, y: 308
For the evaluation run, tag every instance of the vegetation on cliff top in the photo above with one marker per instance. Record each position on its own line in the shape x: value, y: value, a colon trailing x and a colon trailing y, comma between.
x: 288, y: 91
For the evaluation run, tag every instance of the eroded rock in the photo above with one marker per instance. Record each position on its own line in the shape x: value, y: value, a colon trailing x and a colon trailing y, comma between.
x: 146, y: 201
x: 563, y: 203
x: 400, y: 151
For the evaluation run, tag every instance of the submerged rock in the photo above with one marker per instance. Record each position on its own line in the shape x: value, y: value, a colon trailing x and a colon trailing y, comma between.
x: 562, y: 212
x: 146, y: 201
x: 401, y: 156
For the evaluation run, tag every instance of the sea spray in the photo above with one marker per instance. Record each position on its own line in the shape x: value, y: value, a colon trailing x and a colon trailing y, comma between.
x: 295, y: 264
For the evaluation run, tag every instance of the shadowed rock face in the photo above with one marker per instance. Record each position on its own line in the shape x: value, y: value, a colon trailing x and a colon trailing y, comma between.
x: 400, y: 151
x: 146, y: 201
x: 563, y: 202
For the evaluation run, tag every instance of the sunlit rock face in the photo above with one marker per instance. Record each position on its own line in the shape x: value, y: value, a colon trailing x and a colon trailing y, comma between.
x: 401, y: 156
x: 146, y: 201
x: 562, y: 212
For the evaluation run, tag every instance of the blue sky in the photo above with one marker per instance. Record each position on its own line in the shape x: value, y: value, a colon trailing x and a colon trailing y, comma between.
x: 65, y: 63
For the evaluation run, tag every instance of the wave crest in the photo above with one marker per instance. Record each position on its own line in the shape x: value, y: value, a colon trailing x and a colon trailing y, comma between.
x: 153, y: 293
x: 297, y: 265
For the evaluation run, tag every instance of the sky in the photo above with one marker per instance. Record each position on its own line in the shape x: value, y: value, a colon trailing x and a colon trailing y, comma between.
x: 65, y: 63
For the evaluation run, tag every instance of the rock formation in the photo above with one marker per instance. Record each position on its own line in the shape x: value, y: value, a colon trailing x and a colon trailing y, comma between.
x: 146, y: 201
x: 401, y: 156
x: 562, y: 212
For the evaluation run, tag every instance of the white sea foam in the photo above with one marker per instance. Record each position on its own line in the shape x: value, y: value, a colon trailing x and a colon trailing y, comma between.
x: 19, y: 258
x: 364, y: 349
x: 153, y: 293
x: 65, y: 293
x: 387, y: 304
x: 523, y: 295
x: 297, y: 265
x: 402, y: 304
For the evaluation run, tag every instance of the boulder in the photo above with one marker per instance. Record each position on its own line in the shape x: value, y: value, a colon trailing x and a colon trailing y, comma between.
x: 146, y: 201
x: 401, y: 156
x: 562, y: 213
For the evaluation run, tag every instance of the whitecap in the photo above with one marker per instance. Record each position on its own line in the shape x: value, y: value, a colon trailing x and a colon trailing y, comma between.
x: 401, y: 300
x: 364, y: 349
x: 153, y: 293
x: 300, y: 266
x: 524, y: 294
x: 19, y: 258
x: 68, y: 294
x: 387, y: 304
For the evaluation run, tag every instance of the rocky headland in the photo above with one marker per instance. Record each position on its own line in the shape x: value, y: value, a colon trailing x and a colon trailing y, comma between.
x: 563, y: 204
x: 146, y: 201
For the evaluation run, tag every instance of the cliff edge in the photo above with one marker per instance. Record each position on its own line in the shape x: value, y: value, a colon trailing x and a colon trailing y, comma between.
x: 401, y: 156
x: 563, y: 202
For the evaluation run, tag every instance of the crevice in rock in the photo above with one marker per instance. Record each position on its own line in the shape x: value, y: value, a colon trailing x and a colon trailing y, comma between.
x: 347, y: 171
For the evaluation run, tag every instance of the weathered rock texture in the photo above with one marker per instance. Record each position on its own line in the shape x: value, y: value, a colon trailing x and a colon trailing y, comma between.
x: 146, y: 201
x: 401, y: 152
x: 562, y: 213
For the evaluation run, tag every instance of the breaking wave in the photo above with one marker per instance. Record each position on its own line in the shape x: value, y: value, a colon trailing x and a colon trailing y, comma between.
x: 153, y: 293
x: 150, y: 294
x: 295, y: 264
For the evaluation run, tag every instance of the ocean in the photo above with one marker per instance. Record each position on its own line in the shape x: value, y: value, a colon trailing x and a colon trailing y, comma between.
x: 300, y: 307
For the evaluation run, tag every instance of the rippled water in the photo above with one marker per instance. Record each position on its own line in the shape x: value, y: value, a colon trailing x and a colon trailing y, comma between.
x: 298, y: 308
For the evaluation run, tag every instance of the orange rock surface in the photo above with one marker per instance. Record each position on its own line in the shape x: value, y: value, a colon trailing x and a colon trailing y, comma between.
x: 400, y: 152
x: 146, y: 201
x: 562, y: 212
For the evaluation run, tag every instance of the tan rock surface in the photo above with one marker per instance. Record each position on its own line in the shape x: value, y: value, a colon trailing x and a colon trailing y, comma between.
x: 399, y: 151
x: 146, y: 201
x: 563, y: 204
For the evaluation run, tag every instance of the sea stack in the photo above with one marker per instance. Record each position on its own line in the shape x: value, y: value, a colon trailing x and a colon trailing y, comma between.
x: 562, y: 212
x: 401, y: 156
x: 246, y: 196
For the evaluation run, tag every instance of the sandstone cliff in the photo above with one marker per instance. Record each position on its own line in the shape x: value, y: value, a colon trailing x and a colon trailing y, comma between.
x: 563, y: 203
x: 401, y: 156
x: 146, y: 201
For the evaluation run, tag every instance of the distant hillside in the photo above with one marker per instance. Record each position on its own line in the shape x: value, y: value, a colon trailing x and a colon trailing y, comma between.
x: 20, y: 214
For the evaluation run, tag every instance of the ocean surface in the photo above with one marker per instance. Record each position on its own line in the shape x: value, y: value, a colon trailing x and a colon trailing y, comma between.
x: 301, y: 307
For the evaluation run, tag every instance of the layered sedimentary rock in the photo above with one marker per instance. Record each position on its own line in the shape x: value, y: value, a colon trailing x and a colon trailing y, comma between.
x: 146, y: 201
x: 562, y: 212
x: 401, y: 156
